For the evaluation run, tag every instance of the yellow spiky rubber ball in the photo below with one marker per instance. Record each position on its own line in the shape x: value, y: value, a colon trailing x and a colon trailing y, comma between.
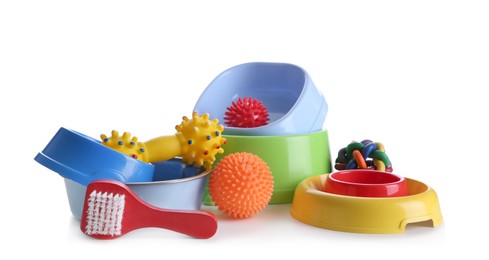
x: 241, y: 185
x: 200, y: 139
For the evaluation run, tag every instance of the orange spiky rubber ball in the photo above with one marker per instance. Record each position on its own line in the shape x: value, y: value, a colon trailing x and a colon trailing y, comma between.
x: 241, y: 185
x: 246, y: 113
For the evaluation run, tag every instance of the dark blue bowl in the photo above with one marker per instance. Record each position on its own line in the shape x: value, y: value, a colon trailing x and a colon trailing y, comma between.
x: 83, y: 159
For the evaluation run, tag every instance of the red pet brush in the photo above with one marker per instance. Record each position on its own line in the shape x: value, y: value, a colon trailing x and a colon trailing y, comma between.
x: 111, y: 210
x: 246, y: 113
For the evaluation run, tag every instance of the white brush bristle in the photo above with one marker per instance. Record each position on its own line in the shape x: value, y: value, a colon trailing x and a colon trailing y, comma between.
x: 104, y: 214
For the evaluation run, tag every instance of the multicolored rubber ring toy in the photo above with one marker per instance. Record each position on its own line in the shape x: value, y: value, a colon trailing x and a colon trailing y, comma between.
x: 363, y: 155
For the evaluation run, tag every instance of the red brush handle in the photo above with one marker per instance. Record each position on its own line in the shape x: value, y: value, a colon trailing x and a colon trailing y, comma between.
x: 139, y: 214
x: 198, y: 224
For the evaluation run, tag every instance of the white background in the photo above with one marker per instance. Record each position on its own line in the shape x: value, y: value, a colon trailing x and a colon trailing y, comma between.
x: 410, y: 74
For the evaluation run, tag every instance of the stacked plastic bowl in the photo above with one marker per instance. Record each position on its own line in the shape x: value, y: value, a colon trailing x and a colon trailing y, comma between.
x: 80, y: 159
x: 293, y: 143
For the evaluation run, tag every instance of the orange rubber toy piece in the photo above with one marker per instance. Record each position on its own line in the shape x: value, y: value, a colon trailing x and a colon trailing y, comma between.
x: 359, y: 159
x: 241, y: 185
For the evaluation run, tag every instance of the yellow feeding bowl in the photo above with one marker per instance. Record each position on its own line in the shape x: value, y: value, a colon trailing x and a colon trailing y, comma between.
x: 389, y: 215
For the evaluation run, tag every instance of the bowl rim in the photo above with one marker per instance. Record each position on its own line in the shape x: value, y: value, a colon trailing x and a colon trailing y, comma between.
x: 203, y: 174
x: 331, y: 177
x: 271, y: 136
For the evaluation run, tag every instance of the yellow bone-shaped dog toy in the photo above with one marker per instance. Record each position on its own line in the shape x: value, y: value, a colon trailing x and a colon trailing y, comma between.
x: 197, y: 141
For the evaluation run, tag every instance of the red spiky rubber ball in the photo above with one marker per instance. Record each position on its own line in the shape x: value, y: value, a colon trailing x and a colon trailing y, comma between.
x: 246, y: 113
x: 241, y: 185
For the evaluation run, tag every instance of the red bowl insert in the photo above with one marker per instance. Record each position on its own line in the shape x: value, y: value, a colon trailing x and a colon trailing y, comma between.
x: 366, y: 183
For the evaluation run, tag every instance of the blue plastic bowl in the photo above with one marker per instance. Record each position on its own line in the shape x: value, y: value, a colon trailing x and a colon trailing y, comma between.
x: 294, y: 103
x: 175, y: 185
x: 82, y: 159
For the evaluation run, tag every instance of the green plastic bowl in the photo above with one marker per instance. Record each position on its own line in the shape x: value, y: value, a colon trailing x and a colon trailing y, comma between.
x: 291, y: 159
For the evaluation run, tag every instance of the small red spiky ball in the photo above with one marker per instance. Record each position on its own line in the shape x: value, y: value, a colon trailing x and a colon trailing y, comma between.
x: 246, y: 113
x: 241, y: 185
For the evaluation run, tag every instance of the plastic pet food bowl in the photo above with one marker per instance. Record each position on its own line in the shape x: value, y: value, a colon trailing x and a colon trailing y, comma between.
x: 175, y: 185
x: 83, y: 159
x: 313, y: 206
x: 294, y: 104
x: 366, y: 183
x: 291, y: 159
x: 80, y: 159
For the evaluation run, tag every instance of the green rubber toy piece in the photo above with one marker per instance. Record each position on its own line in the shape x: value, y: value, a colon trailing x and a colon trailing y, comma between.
x: 379, y: 155
x: 352, y: 147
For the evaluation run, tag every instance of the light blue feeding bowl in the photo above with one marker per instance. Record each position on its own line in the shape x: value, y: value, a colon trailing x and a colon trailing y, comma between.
x: 83, y: 159
x: 175, y: 185
x: 80, y: 159
x: 294, y: 104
